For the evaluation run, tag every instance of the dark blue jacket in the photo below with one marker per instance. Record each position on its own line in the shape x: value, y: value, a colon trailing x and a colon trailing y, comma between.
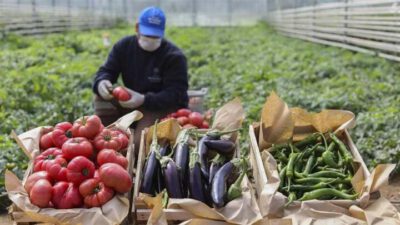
x: 160, y: 75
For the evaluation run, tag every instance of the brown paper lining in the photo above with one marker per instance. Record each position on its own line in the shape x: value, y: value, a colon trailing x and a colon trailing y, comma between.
x: 113, y: 212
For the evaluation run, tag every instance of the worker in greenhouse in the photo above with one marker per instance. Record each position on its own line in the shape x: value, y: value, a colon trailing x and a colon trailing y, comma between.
x: 153, y: 71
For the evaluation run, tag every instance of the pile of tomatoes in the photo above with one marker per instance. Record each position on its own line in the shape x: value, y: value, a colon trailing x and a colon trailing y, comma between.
x: 188, y: 119
x: 80, y: 165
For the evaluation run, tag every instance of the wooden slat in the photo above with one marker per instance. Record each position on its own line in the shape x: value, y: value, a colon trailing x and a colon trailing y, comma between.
x: 356, y: 41
x: 372, y: 27
x: 382, y: 36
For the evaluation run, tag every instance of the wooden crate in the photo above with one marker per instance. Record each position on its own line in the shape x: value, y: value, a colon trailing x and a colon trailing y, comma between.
x: 141, y: 212
x: 20, y: 217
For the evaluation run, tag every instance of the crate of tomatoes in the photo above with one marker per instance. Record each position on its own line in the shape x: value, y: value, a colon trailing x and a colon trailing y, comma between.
x: 79, y: 173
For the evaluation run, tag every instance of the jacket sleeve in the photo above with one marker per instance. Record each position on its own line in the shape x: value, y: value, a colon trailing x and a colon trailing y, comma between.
x: 174, y: 88
x: 111, y: 69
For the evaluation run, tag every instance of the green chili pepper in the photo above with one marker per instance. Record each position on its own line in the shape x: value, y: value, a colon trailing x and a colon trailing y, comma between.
x: 310, y: 139
x: 279, y: 147
x: 309, y: 165
x: 280, y: 156
x: 319, y: 185
x: 327, y: 157
x: 314, y: 180
x: 326, y: 193
x: 282, y: 174
x: 290, y: 165
x: 292, y: 196
x: 326, y: 168
x: 342, y: 148
x: 290, y: 168
x: 331, y: 174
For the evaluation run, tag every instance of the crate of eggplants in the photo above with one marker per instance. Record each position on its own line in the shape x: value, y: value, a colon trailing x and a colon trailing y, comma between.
x: 204, y: 171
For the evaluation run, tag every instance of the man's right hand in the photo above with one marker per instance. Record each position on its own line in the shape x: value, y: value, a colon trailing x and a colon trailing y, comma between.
x: 103, y: 88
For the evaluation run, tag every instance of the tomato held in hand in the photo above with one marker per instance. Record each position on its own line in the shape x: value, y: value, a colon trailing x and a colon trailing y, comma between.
x: 87, y: 126
x: 80, y: 169
x: 113, y: 175
x: 95, y: 193
x: 66, y: 196
x: 121, y: 94
x: 78, y: 146
x: 111, y: 156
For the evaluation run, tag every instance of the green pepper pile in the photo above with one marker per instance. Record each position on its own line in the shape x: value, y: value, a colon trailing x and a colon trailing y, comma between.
x: 317, y: 167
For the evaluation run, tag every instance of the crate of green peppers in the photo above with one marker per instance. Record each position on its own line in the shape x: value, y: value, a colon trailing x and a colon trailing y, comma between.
x: 305, y: 160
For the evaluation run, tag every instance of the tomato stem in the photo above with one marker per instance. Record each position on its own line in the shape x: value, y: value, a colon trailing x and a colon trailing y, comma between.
x: 85, y: 172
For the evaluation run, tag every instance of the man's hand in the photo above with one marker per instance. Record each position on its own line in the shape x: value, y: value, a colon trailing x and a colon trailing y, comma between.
x: 103, y: 88
x: 135, y: 101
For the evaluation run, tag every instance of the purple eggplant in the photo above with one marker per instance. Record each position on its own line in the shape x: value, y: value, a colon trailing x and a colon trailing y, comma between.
x: 203, y: 150
x: 224, y: 147
x: 218, y: 188
x: 164, y: 150
x: 171, y: 178
x: 151, y: 166
x: 196, y: 184
x: 181, y: 158
x: 216, y: 163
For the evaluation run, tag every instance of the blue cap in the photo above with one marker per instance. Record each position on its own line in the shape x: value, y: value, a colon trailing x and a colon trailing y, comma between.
x: 152, y: 22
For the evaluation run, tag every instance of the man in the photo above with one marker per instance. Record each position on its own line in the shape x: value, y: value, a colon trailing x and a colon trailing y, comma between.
x: 154, y: 72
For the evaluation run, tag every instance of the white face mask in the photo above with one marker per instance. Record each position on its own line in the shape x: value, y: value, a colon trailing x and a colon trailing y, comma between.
x: 149, y: 44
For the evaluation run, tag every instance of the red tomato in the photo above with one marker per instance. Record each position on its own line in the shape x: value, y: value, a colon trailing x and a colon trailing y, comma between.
x: 47, y: 158
x: 183, y: 120
x: 107, y: 139
x: 110, y: 155
x: 46, y: 141
x: 87, y: 126
x: 196, y: 119
x: 183, y: 112
x: 58, y: 171
x: 95, y: 193
x: 79, y: 169
x: 123, y: 138
x: 62, y: 132
x: 113, y: 175
x: 33, y: 178
x: 41, y: 193
x: 78, y: 146
x: 66, y: 196
x: 121, y: 94
x: 174, y: 115
x: 205, y: 125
